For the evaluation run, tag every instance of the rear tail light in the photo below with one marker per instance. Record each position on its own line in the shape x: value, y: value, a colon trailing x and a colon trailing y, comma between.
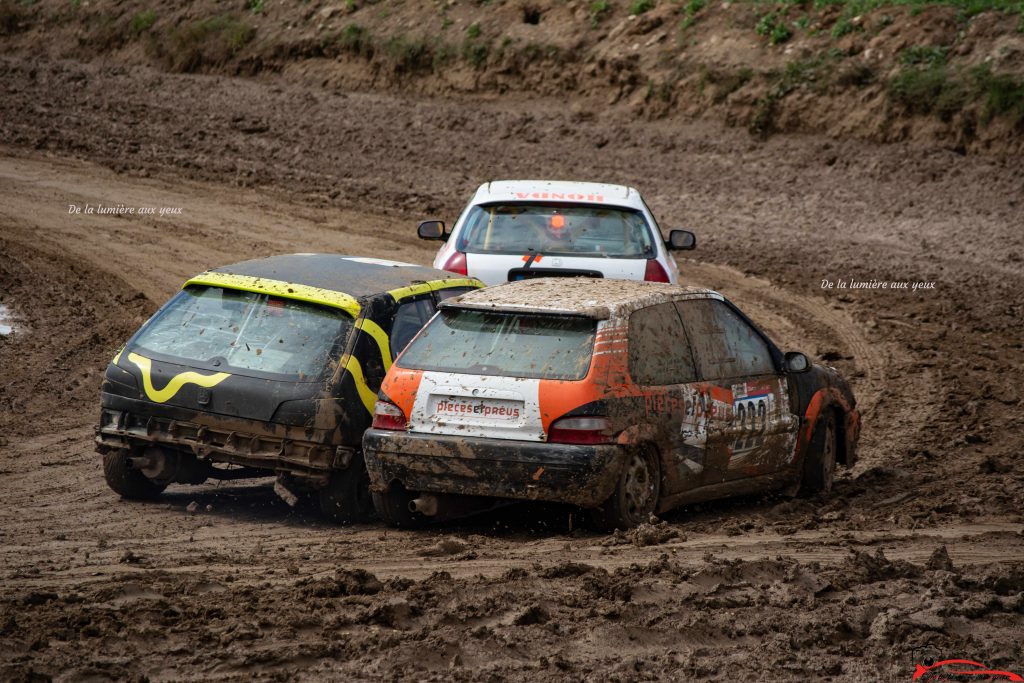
x: 580, y: 430
x: 456, y: 263
x: 388, y: 416
x: 655, y: 272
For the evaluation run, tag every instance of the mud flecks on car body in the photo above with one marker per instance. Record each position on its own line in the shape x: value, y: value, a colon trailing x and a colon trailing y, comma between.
x: 272, y: 365
x: 521, y: 229
x: 626, y: 398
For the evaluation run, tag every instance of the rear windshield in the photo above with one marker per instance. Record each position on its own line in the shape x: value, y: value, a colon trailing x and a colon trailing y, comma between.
x: 503, y: 344
x: 568, y: 230
x: 232, y: 331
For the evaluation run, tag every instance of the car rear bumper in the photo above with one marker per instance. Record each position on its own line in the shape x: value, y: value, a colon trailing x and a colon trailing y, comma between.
x: 500, y: 468
x: 131, y: 423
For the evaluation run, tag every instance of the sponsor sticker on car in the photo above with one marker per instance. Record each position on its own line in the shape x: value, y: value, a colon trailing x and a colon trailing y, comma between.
x: 446, y: 407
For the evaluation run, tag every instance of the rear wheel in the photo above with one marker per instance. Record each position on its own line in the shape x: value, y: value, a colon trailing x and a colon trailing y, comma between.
x: 393, y: 508
x: 636, y: 495
x: 346, y: 498
x: 126, y: 480
x: 820, y: 468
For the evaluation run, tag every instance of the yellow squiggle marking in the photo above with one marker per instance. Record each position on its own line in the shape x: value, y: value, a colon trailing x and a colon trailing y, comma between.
x: 366, y: 395
x: 176, y: 383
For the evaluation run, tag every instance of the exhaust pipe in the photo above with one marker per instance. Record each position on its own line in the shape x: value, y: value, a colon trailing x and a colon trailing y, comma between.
x: 426, y: 505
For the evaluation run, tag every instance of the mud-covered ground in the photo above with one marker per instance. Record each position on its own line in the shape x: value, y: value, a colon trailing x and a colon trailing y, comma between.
x: 916, y: 553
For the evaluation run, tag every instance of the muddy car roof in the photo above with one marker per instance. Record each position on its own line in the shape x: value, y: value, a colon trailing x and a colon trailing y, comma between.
x: 330, y: 279
x: 356, y: 276
x: 591, y: 297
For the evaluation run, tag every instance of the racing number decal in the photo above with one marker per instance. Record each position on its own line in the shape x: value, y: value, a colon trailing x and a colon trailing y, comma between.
x: 750, y: 415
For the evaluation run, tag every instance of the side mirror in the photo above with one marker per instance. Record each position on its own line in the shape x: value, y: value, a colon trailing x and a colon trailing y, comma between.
x: 797, y: 362
x: 431, y: 230
x: 681, y: 239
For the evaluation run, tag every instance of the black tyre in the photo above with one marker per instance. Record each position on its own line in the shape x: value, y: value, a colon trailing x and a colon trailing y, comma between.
x: 346, y: 498
x: 393, y: 509
x: 820, y: 462
x: 126, y: 480
x: 636, y: 495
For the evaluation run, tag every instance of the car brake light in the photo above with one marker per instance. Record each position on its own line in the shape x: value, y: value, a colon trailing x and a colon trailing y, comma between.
x: 655, y: 272
x: 388, y: 416
x: 456, y: 263
x: 580, y: 430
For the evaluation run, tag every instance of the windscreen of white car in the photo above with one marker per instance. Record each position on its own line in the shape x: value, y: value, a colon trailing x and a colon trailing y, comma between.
x: 242, y: 332
x: 559, y: 230
x: 503, y: 344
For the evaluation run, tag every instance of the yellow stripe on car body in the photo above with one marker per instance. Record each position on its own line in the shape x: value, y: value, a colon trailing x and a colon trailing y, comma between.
x: 286, y: 290
x: 433, y: 286
x: 366, y: 395
x: 380, y: 336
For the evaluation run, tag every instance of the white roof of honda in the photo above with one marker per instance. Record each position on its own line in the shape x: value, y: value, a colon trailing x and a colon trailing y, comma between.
x: 557, y: 191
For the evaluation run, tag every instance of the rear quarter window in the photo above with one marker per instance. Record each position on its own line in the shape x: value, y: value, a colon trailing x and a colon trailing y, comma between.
x: 409, y: 320
x: 659, y: 351
x: 504, y: 344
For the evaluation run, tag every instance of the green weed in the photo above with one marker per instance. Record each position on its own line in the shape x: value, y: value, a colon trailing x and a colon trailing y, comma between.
x: 142, y: 22
x: 1002, y: 94
x: 211, y: 41
x: 928, y: 90
x: 842, y: 27
x: 408, y: 55
x: 476, y: 53
x: 924, y: 55
x: 690, y: 13
x: 640, y: 6
x: 598, y: 10
x: 774, y: 27
x: 355, y: 39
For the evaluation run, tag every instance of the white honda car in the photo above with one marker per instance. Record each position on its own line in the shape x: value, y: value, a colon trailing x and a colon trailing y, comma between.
x: 519, y: 229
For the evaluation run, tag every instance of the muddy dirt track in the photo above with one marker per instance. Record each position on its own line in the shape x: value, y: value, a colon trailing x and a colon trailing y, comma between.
x: 916, y: 553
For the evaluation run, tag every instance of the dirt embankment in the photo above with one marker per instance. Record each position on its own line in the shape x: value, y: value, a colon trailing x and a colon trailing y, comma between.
x: 93, y: 587
x: 936, y: 72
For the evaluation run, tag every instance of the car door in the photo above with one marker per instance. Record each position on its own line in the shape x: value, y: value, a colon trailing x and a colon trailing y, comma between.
x: 661, y: 367
x: 750, y: 429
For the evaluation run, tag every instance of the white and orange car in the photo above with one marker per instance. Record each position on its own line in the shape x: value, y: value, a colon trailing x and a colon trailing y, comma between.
x: 624, y: 398
x: 519, y: 229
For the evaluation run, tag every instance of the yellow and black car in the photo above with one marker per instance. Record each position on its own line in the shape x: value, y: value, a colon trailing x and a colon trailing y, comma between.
x: 265, y: 367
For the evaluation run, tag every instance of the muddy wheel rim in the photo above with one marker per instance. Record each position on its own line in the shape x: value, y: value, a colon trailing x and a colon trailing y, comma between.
x: 828, y: 458
x: 639, y: 487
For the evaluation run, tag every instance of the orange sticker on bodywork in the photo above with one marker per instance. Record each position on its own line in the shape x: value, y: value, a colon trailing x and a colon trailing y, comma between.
x: 558, y: 397
x: 401, y: 386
